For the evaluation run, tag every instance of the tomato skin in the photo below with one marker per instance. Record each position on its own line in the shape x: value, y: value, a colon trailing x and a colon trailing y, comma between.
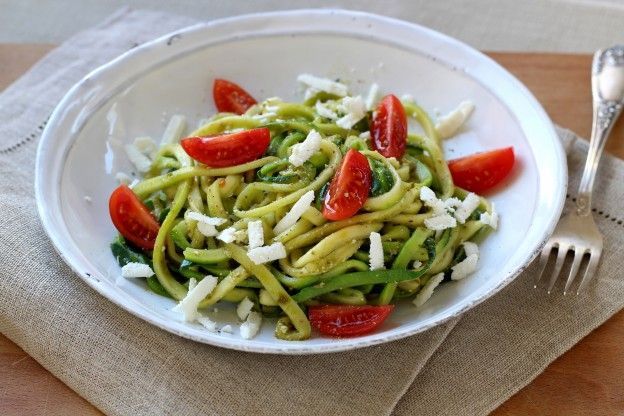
x: 482, y: 171
x: 349, y: 188
x: 348, y: 320
x: 132, y: 218
x: 389, y: 128
x: 230, y: 97
x: 228, y: 149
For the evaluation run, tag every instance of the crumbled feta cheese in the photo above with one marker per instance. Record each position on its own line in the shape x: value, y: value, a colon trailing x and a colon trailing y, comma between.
x: 228, y: 235
x: 132, y: 270
x: 354, y: 110
x: 207, y: 323
x: 451, y: 204
x: 266, y: 254
x: 227, y: 329
x: 244, y: 308
x: 417, y: 264
x: 376, y: 258
x: 123, y: 178
x: 490, y: 219
x: 371, y: 98
x: 255, y: 231
x: 207, y: 229
x: 365, y: 135
x: 303, y: 151
x: 431, y: 200
x: 192, y: 283
x: 470, y: 248
x: 324, y: 111
x: 408, y: 97
x: 309, y: 93
x: 448, y: 125
x: 188, y: 305
x: 88, y: 199
x: 141, y: 162
x: 440, y: 222
x: 174, y: 130
x: 295, y: 213
x: 145, y: 145
x: 427, y: 290
x: 465, y: 267
x: 323, y: 84
x: 251, y: 326
x: 199, y: 217
x: 468, y: 205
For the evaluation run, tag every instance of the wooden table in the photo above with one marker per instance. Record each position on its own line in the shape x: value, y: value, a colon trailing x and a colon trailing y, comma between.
x: 587, y: 380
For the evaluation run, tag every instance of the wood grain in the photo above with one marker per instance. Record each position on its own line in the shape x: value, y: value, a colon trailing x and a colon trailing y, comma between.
x: 588, y: 380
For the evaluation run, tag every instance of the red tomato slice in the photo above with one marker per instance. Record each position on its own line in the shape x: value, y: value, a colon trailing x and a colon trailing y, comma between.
x: 389, y: 128
x: 132, y: 218
x: 231, y: 98
x: 482, y: 171
x: 228, y: 149
x: 349, y: 188
x: 347, y: 320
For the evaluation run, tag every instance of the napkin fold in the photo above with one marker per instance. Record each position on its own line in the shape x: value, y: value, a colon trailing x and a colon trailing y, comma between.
x: 125, y: 366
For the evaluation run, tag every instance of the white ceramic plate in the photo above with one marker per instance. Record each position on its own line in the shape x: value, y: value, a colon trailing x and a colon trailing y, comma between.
x: 136, y: 93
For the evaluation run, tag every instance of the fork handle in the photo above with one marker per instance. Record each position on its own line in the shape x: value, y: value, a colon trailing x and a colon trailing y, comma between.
x: 608, y: 102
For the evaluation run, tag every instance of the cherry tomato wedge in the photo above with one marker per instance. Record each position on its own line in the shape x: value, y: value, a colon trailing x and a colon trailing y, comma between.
x: 132, y: 218
x: 349, y: 188
x: 482, y: 171
x: 389, y: 128
x: 347, y: 320
x: 228, y: 149
x: 231, y: 98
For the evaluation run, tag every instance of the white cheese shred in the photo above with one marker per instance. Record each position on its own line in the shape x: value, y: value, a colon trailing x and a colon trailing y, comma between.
x: 303, y: 151
x: 323, y: 84
x: 354, y: 110
x: 207, y: 323
x: 141, y: 162
x: 295, y: 213
x: 448, y: 125
x: 174, y: 131
x: 468, y: 205
x: 228, y: 235
x: 426, y: 292
x: 244, y: 308
x: 255, y: 231
x: 227, y: 329
x: 251, y: 326
x: 323, y: 111
x: 199, y: 217
x: 376, y: 258
x: 134, y: 270
x: 490, y: 219
x: 371, y: 98
x: 267, y: 254
x: 465, y: 267
x: 188, y: 305
x: 440, y: 222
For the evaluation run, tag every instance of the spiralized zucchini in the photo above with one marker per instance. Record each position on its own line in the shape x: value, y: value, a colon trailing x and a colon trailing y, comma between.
x: 326, y: 261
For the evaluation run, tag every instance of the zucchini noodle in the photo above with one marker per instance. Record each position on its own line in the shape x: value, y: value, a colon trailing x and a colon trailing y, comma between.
x: 326, y: 261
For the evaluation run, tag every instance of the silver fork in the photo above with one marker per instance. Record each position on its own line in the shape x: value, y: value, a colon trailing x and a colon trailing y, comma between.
x: 577, y: 232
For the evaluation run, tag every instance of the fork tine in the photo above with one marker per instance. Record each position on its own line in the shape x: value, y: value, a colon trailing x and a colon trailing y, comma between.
x: 592, y: 266
x: 576, y: 264
x: 561, y: 255
x: 543, y: 262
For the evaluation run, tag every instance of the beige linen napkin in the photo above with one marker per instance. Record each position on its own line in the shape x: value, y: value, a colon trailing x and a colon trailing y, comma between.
x: 123, y: 365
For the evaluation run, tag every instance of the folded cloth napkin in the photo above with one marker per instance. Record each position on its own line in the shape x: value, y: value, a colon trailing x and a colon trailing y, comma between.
x: 125, y: 366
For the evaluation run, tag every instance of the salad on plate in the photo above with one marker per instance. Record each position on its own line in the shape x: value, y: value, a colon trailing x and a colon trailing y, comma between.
x: 322, y: 213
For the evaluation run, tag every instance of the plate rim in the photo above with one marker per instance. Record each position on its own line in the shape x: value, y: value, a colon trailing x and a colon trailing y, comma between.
x: 297, y: 348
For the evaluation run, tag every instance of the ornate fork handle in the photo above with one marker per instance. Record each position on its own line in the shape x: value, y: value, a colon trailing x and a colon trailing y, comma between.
x: 608, y: 102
